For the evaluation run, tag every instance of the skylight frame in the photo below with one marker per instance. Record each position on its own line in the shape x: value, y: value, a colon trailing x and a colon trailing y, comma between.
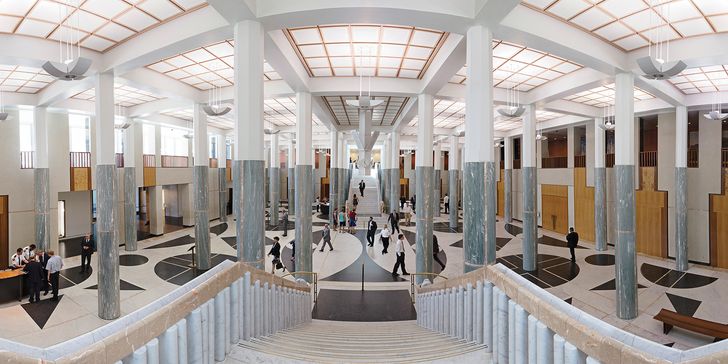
x: 702, y: 80
x: 383, y: 115
x: 124, y: 95
x: 22, y: 79
x: 603, y: 96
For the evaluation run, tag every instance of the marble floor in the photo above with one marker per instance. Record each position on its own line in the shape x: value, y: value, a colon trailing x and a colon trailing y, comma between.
x: 163, y: 263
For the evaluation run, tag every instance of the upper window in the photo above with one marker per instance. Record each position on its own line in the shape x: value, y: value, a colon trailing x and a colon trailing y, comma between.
x: 26, y: 129
x: 174, y: 142
x: 149, y: 139
x: 79, y: 133
x: 213, y: 146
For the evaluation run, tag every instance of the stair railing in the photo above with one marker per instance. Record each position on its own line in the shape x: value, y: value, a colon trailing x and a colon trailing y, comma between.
x: 423, y: 274
x: 314, y: 277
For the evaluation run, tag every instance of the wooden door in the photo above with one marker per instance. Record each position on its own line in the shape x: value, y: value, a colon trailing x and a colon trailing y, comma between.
x: 4, y: 233
x: 583, y: 206
x: 719, y: 227
x: 555, y: 208
x: 650, y: 215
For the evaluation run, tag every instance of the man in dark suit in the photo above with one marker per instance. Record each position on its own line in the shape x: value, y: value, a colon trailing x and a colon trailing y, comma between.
x: 572, y: 240
x: 87, y: 248
x: 371, y: 231
x: 436, y: 251
x: 393, y: 220
x: 362, y: 186
x: 43, y: 260
x: 34, y: 272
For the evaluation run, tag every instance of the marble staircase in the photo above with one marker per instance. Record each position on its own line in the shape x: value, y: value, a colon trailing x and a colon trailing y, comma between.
x: 322, y: 341
x: 369, y: 204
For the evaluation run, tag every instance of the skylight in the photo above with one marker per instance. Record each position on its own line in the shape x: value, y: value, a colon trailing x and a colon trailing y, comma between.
x: 124, y: 95
x: 702, y: 80
x: 386, y: 114
x: 604, y: 95
x: 23, y: 79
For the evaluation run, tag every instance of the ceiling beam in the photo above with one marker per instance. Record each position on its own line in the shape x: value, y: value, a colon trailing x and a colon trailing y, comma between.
x: 234, y: 11
x: 661, y: 89
x: 281, y: 56
x: 572, y: 108
x: 408, y: 113
x: 159, y: 84
x: 580, y: 80
x: 493, y: 11
x: 449, y: 59
x: 158, y: 106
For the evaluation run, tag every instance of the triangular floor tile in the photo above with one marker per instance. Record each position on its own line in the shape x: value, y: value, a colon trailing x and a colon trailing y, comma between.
x: 568, y: 300
x: 41, y: 311
x: 124, y: 286
x: 611, y: 285
x: 669, y: 344
x: 684, y: 305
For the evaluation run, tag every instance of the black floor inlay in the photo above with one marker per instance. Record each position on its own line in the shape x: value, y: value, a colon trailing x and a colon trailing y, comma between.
x: 318, y: 223
x: 74, y: 274
x: 353, y: 305
x: 219, y: 229
x: 600, y: 259
x: 674, y: 279
x: 547, y: 240
x: 513, y: 229
x: 373, y: 272
x: 176, y: 269
x: 183, y: 240
x: 323, y: 217
x: 444, y: 227
x: 123, y: 285
x: 41, y: 311
x: 551, y: 270
x: 568, y: 300
x: 130, y: 260
x: 499, y: 243
x: 683, y: 305
x: 231, y: 240
x: 457, y: 244
x: 610, y: 286
x: 409, y: 236
x: 280, y: 226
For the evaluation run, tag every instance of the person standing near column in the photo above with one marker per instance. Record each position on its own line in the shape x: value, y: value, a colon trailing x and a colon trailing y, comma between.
x: 88, y: 246
x: 284, y: 222
x: 399, y: 252
x: 34, y: 273
x: 54, y: 266
x: 446, y: 202
x: 572, y: 240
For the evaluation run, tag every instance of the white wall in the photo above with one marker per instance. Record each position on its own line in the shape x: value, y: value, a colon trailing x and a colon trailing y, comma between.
x: 78, y: 212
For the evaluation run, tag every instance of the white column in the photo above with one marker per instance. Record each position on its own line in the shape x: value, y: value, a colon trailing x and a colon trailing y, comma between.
x: 200, y: 138
x: 200, y: 183
x: 681, y: 189
x: 304, y: 190
x: 600, y: 187
x: 424, y: 172
x: 41, y: 178
x: 529, y: 172
x: 508, y: 179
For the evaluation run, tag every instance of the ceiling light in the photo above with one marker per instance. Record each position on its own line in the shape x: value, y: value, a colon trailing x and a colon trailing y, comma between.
x: 716, y: 110
x: 214, y: 105
x: 71, y: 65
x: 656, y: 65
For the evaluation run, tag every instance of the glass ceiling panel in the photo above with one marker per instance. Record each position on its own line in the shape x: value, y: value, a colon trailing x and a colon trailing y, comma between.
x: 124, y: 95
x: 631, y: 24
x: 604, y: 95
x: 207, y: 67
x: 521, y: 67
x: 385, y: 114
x: 702, y: 80
x: 23, y: 79
x: 102, y: 24
x: 365, y: 49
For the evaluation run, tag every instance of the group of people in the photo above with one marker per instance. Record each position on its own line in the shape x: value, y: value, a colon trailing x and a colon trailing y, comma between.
x: 43, y: 268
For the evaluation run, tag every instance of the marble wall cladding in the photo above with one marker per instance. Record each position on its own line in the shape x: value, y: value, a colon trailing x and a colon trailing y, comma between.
x: 681, y: 218
x: 342, y: 186
x: 42, y: 190
x: 625, y: 253
x: 274, y: 174
x: 473, y: 215
x: 387, y: 182
x: 252, y: 231
x: 349, y: 172
x: 453, y: 194
x: 237, y: 175
x: 491, y: 192
x: 108, y: 252
x: 424, y: 214
x: 333, y: 193
x: 292, y: 189
x: 437, y: 195
x: 600, y: 208
x: 130, y: 215
x: 530, y: 226
x: 508, y: 195
x: 222, y: 193
x: 304, y: 232
x: 202, y: 220
x: 395, y: 188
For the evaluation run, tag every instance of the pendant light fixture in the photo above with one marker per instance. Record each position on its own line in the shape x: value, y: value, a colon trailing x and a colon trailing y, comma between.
x: 214, y: 105
x: 608, y: 116
x: 70, y: 66
x: 716, y: 110
x: 513, y: 107
x: 657, y: 64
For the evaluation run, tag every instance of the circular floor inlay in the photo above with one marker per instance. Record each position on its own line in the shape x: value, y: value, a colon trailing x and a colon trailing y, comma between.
x: 600, y: 259
x: 551, y: 270
x: 130, y: 260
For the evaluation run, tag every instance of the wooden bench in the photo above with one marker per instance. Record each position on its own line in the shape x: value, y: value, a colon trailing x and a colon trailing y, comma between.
x: 670, y: 318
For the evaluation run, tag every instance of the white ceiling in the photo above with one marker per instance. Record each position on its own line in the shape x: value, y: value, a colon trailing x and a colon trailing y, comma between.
x: 23, y: 79
x: 604, y: 96
x: 124, y: 95
x: 702, y: 80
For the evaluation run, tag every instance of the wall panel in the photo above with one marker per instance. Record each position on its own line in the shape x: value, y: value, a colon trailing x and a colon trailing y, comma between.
x: 555, y: 208
x: 583, y: 206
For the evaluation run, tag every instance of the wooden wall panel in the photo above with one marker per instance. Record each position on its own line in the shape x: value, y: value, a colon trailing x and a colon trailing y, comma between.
x: 80, y: 179
x: 719, y: 226
x: 150, y: 176
x: 555, y: 208
x: 650, y: 215
x: 583, y: 206
x: 501, y: 195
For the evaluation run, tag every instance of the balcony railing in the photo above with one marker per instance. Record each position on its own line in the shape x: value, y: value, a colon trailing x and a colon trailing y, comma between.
x: 174, y: 161
x: 693, y: 158
x: 119, y: 160
x: 80, y: 159
x: 149, y: 160
x: 648, y: 159
x: 579, y: 161
x: 26, y: 160
x: 554, y: 162
x: 609, y: 160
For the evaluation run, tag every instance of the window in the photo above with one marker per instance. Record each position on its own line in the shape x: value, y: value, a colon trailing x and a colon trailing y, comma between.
x: 79, y: 133
x: 26, y: 129
x: 149, y: 139
x: 228, y: 149
x: 213, y: 146
x: 174, y: 142
x: 118, y: 141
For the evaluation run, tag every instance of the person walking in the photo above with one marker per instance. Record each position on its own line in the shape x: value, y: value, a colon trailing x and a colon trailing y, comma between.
x: 371, y: 231
x: 54, y: 266
x: 408, y: 214
x: 362, y: 186
x: 414, y: 201
x: 352, y: 221
x: 87, y: 248
x: 572, y: 240
x: 355, y: 201
x: 436, y: 251
x: 399, y: 252
x: 342, y: 220
x: 327, y: 238
x: 284, y: 221
x: 336, y: 219
x: 34, y: 271
x: 446, y: 201
x: 402, y: 201
x: 384, y: 235
x: 275, y: 251
x: 393, y: 220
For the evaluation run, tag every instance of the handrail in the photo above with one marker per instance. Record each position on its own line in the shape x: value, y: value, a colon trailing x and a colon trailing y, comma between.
x: 589, y: 334
x: 426, y: 274
x: 314, y: 275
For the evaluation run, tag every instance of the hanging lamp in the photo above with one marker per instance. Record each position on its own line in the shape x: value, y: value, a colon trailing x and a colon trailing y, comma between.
x: 71, y: 66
